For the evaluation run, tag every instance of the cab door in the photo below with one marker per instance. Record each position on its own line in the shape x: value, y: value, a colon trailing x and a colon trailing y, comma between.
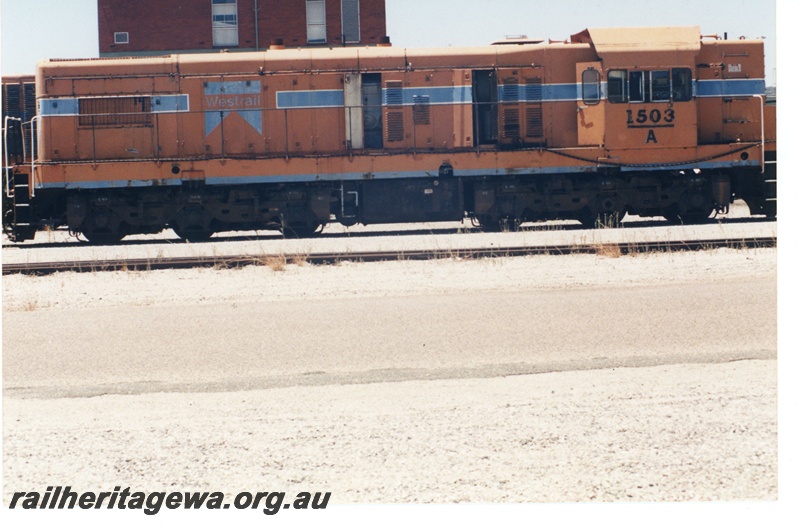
x: 591, y: 107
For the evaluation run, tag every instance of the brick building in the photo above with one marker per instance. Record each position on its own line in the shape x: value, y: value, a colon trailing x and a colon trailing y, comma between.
x: 190, y: 26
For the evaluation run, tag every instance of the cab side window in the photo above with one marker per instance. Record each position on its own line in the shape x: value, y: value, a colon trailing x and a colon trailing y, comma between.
x: 637, y: 86
x: 659, y: 86
x: 649, y: 86
x: 618, y: 85
x: 681, y: 84
x: 591, y: 86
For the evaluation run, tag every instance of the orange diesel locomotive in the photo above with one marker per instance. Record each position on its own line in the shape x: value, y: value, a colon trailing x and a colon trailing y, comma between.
x: 651, y: 121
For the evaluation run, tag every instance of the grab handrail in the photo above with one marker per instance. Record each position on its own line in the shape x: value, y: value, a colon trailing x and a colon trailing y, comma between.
x: 5, y: 150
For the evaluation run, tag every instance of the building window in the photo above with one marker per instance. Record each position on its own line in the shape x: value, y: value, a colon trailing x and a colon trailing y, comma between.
x: 121, y: 38
x: 351, y: 22
x: 225, y: 23
x: 315, y: 22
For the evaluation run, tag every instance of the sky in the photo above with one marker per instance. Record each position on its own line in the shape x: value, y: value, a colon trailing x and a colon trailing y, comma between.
x: 68, y: 28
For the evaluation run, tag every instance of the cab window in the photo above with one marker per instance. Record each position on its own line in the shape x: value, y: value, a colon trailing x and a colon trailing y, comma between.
x: 659, y: 86
x: 591, y: 86
x: 650, y: 86
x: 681, y: 84
x: 618, y: 85
x: 638, y: 86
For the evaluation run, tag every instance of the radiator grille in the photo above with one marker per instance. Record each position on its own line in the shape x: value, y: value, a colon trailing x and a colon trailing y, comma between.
x: 117, y: 111
x: 511, y: 123
x: 394, y: 93
x: 422, y: 109
x: 394, y: 126
x: 534, y: 127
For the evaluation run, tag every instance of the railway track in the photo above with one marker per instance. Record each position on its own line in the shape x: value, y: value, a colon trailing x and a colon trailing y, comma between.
x: 233, y: 261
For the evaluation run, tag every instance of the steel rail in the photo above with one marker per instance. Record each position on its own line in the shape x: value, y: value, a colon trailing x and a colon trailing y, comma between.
x: 234, y: 261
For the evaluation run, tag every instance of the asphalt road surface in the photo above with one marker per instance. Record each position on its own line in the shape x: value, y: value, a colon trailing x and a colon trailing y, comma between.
x: 226, y: 347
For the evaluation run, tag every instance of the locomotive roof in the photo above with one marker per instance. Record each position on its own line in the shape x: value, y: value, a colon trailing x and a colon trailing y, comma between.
x: 605, y: 43
x: 623, y: 40
x: 294, y: 60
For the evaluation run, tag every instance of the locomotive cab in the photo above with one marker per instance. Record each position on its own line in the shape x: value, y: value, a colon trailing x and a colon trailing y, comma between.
x: 665, y: 100
x: 634, y: 100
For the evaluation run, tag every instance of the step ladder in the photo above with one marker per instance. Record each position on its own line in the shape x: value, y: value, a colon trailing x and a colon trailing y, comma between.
x: 22, y: 228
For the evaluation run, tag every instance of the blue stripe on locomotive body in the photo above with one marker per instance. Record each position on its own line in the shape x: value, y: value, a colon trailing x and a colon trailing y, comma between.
x: 408, y: 96
x: 70, y: 106
x: 435, y: 95
x: 108, y: 184
x: 547, y: 93
x: 732, y: 87
x: 58, y: 107
x: 323, y: 98
x: 334, y: 98
x: 169, y: 104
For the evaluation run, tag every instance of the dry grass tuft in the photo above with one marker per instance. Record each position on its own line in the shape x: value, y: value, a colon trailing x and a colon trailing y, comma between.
x: 299, y: 259
x: 275, y: 262
x: 608, y: 250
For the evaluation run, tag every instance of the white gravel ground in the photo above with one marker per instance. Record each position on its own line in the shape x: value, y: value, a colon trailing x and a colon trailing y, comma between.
x: 672, y: 433
x: 296, y: 280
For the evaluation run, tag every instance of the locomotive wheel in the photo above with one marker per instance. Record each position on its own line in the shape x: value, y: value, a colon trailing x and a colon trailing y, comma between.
x: 102, y: 227
x: 602, y: 213
x: 493, y: 225
x: 692, y: 217
x: 192, y: 224
x: 103, y: 237
x: 693, y: 208
x: 512, y: 225
x: 696, y: 217
x: 489, y: 224
x: 601, y: 220
x: 300, y: 230
x: 588, y: 219
x: 192, y: 235
x: 609, y: 220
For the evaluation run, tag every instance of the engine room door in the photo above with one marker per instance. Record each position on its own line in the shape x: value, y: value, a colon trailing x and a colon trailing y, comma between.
x: 353, y: 111
x: 484, y: 103
x: 363, y: 107
x: 372, y: 102
x: 591, y: 106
